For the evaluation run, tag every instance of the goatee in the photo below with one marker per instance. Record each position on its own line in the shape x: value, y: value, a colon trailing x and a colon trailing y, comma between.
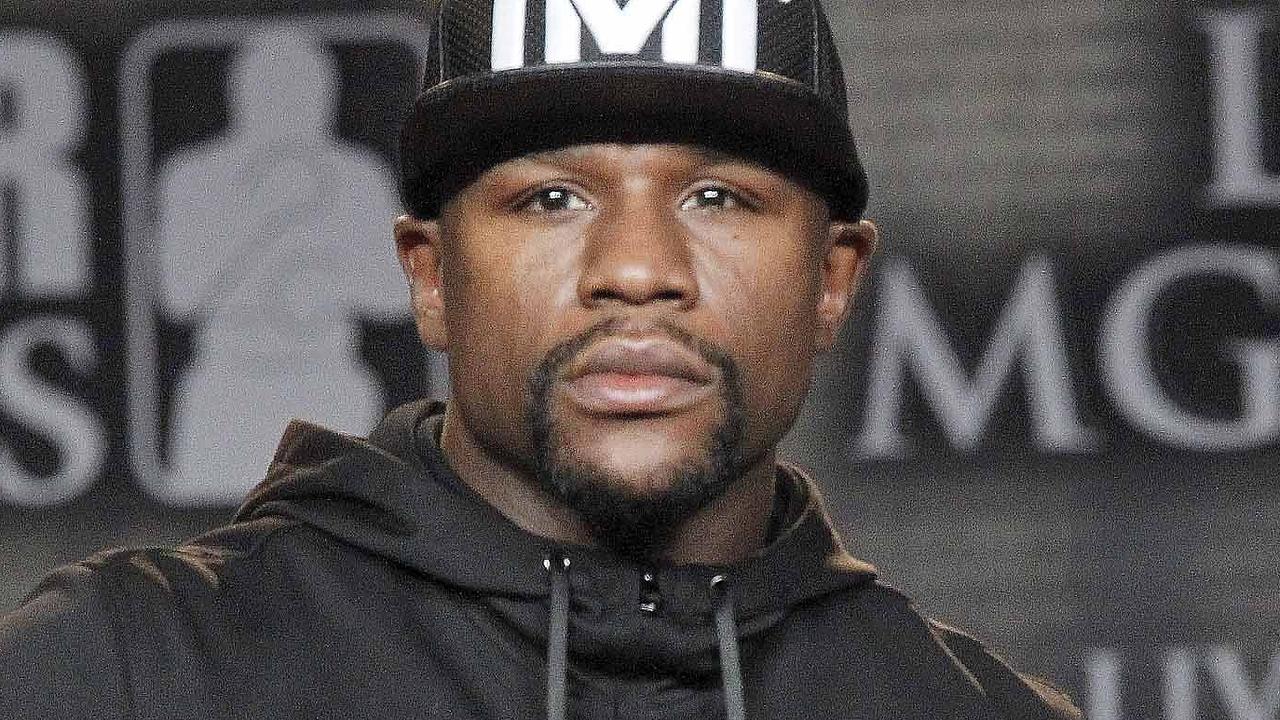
x: 636, y: 526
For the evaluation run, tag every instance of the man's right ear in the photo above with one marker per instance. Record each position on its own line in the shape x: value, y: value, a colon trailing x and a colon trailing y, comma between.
x: 418, y: 245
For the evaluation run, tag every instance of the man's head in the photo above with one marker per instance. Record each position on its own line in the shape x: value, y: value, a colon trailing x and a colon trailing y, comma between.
x: 631, y: 324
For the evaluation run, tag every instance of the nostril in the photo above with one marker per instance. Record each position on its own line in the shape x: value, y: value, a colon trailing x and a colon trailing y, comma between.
x: 604, y: 295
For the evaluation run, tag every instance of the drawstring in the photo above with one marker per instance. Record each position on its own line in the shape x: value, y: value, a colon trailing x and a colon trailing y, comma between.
x: 558, y: 638
x: 730, y: 663
x: 558, y: 643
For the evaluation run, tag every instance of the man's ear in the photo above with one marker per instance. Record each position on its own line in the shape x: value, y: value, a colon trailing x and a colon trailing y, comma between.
x: 849, y: 248
x: 418, y: 245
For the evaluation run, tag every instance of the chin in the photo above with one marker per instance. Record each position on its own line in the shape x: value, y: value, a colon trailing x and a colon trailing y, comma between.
x: 627, y: 474
x: 634, y: 483
x: 636, y: 510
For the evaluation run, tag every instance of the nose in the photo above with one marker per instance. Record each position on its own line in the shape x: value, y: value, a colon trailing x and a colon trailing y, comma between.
x: 636, y: 255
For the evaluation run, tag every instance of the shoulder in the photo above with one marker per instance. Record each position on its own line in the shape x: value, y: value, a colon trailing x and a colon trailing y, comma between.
x: 80, y: 641
x: 68, y: 647
x: 1015, y: 694
x: 61, y: 648
x: 896, y: 620
x: 104, y: 583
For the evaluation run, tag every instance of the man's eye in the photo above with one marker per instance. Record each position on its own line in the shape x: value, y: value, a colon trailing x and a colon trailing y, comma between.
x: 713, y: 198
x: 555, y: 200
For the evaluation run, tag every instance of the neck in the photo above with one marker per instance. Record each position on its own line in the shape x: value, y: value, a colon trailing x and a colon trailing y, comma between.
x: 731, y: 528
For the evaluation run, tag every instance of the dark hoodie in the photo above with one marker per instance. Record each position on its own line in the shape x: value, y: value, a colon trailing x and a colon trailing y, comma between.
x: 363, y: 579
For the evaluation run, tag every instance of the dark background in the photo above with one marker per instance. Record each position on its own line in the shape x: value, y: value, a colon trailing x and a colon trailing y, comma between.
x: 997, y: 135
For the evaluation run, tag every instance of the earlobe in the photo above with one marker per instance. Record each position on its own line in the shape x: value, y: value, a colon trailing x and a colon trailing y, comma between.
x: 418, y: 244
x: 848, y: 250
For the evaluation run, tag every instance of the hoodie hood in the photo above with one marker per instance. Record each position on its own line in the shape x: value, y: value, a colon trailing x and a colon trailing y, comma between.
x: 394, y: 495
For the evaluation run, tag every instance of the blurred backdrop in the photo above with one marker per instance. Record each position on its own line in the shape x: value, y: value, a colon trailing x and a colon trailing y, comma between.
x: 1054, y: 419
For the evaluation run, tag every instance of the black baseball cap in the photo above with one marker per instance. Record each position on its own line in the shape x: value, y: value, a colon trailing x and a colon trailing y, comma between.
x: 760, y: 79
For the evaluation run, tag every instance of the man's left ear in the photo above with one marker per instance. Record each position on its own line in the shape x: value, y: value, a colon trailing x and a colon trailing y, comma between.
x: 849, y: 248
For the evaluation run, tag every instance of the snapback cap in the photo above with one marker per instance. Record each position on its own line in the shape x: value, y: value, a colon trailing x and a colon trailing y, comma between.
x: 759, y: 79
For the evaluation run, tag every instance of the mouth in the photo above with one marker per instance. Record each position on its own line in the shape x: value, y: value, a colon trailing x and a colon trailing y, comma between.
x: 638, y: 376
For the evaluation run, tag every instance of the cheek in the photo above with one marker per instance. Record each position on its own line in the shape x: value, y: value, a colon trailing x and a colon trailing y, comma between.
x: 483, y: 353
x: 767, y: 300
x: 500, y: 302
x: 779, y: 359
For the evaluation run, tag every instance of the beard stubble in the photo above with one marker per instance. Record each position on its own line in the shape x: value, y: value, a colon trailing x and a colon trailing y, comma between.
x: 636, y: 525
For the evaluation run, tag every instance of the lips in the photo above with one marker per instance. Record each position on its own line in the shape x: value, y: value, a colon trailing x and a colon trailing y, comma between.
x: 630, y: 376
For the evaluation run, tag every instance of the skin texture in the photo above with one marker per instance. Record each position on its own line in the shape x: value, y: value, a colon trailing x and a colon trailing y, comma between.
x: 634, y: 243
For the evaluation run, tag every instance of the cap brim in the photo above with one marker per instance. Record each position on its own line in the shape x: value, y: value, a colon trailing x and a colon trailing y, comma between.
x: 459, y: 129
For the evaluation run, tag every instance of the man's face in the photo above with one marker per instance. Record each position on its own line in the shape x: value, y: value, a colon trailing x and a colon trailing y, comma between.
x: 632, y: 325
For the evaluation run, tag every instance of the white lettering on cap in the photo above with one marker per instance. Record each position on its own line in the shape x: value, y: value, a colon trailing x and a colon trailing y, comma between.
x: 624, y: 30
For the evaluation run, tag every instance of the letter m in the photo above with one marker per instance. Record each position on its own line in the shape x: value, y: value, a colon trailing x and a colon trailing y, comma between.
x: 909, y: 337
x: 624, y: 30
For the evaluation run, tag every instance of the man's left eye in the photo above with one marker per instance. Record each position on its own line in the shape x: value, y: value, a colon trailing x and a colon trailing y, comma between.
x: 713, y: 198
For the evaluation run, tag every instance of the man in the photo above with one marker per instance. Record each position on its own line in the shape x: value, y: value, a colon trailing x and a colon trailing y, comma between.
x: 632, y: 229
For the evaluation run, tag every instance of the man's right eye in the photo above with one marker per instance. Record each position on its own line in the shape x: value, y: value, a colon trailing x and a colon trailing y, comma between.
x: 555, y: 199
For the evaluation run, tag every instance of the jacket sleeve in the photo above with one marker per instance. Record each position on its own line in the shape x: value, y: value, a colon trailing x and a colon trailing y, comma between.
x: 59, y: 651
x: 1015, y: 695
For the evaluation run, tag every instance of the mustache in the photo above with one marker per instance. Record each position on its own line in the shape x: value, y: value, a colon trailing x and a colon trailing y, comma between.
x: 559, y: 357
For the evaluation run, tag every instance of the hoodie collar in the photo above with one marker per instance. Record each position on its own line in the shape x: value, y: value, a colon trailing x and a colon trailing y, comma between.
x: 395, y: 495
